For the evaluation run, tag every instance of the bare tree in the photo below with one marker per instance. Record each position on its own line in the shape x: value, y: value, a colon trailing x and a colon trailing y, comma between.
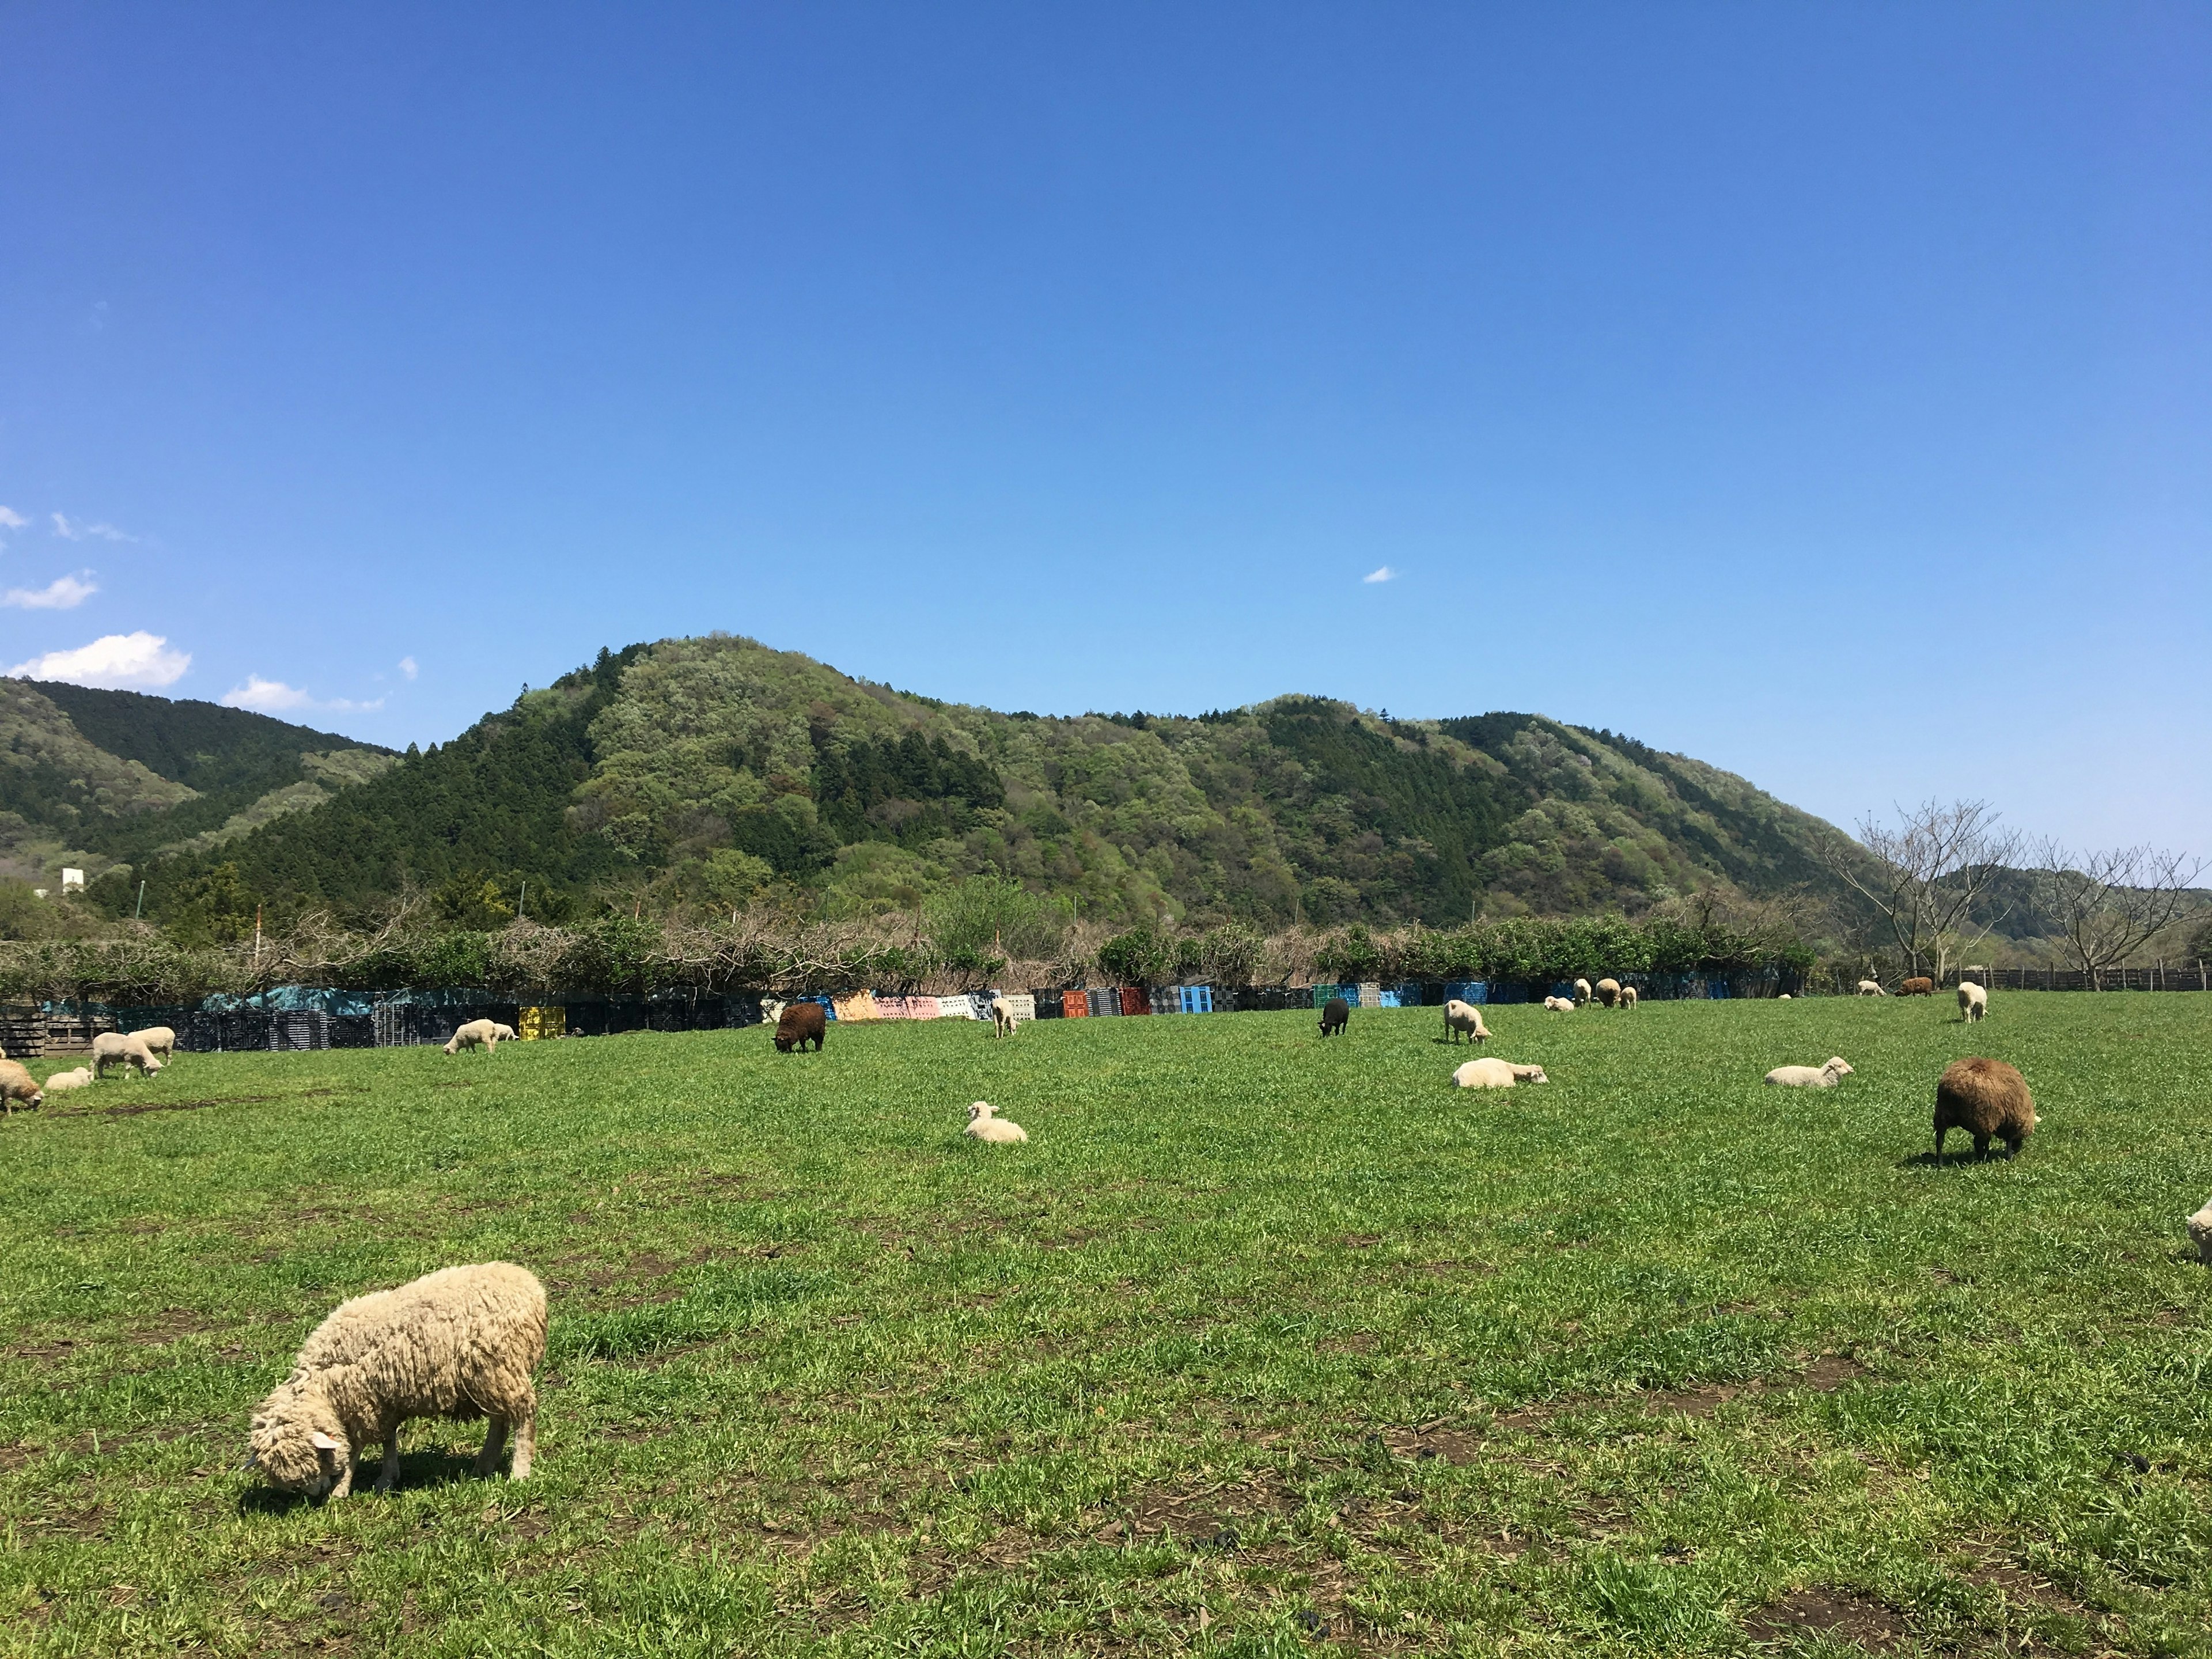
x: 2108, y: 904
x: 1926, y: 875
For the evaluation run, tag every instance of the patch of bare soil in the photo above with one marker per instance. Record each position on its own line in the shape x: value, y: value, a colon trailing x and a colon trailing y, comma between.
x: 1434, y: 1440
x: 1214, y: 1517
x: 1991, y: 1568
x: 1845, y: 1614
x: 1700, y: 1401
x: 1831, y: 1372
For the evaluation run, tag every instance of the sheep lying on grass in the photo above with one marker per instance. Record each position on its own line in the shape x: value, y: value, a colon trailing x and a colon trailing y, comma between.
x: 63, y: 1082
x: 1810, y: 1077
x: 159, y: 1040
x: 1973, y: 1001
x: 985, y: 1124
x: 459, y: 1343
x: 484, y: 1034
x: 15, y: 1085
x: 2200, y: 1232
x: 1487, y: 1073
x: 113, y: 1048
x: 1464, y: 1019
x: 1560, y: 1005
x: 1989, y: 1100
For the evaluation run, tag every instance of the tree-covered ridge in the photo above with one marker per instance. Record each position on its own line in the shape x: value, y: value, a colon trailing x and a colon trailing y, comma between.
x: 712, y: 773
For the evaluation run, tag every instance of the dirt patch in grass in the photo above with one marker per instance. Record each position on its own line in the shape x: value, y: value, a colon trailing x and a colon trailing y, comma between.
x: 1700, y: 1401
x: 1216, y: 1516
x: 1434, y: 1440
x: 1831, y: 1372
x: 1992, y: 1568
x: 1845, y: 1614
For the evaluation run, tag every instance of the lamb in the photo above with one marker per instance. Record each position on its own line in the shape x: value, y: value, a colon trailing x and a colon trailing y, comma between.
x: 458, y: 1343
x: 1811, y: 1076
x: 1560, y: 1005
x: 484, y: 1034
x: 1489, y: 1073
x: 159, y: 1040
x: 985, y: 1125
x: 1582, y: 990
x: 1871, y: 987
x: 1973, y: 1001
x: 1986, y: 1098
x: 1628, y: 996
x: 113, y: 1048
x: 1464, y: 1019
x: 1335, y: 1016
x: 15, y: 1085
x: 1917, y: 986
x: 799, y: 1023
x: 62, y: 1082
x: 1002, y: 1018
x: 1609, y: 993
x: 2200, y: 1232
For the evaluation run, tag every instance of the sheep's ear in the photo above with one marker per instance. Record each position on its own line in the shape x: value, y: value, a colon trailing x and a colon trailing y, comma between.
x: 323, y: 1443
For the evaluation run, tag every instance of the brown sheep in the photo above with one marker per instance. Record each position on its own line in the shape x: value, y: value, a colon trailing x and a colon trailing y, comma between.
x: 1609, y: 993
x: 1335, y: 1017
x: 15, y: 1085
x: 1988, y: 1099
x: 801, y: 1021
x: 1917, y: 987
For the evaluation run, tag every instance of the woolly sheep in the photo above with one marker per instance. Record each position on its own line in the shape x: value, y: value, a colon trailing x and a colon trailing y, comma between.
x: 799, y: 1023
x: 1871, y: 987
x: 1628, y: 996
x: 159, y: 1040
x: 1582, y: 990
x: 484, y: 1034
x: 1988, y: 1099
x: 1002, y: 1018
x: 62, y: 1082
x: 1919, y: 986
x: 1464, y: 1019
x: 1973, y: 1001
x: 1335, y: 1016
x: 2200, y: 1232
x: 1609, y: 993
x: 1785, y: 997
x: 458, y: 1343
x: 15, y: 1085
x: 984, y: 1124
x: 1560, y: 1005
x: 1811, y: 1076
x: 1489, y: 1073
x: 113, y: 1048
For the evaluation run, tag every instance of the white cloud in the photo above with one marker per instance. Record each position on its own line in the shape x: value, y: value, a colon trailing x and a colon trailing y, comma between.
x: 11, y: 520
x: 407, y: 667
x: 268, y: 696
x: 139, y: 661
x: 62, y: 594
x: 76, y: 533
x: 1381, y: 574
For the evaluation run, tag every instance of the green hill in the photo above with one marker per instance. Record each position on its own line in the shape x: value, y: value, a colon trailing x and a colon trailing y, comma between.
x: 706, y: 772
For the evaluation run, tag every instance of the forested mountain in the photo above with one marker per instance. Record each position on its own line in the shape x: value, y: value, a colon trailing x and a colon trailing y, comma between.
x: 709, y: 773
x: 94, y: 778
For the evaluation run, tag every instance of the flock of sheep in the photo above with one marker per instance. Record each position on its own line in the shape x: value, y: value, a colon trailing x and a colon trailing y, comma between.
x: 147, y: 1051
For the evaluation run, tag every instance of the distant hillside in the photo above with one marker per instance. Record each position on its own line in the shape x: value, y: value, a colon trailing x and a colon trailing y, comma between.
x: 96, y: 778
x: 705, y: 771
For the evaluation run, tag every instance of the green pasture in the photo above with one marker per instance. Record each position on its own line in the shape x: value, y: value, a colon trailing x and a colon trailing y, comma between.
x: 1263, y: 1345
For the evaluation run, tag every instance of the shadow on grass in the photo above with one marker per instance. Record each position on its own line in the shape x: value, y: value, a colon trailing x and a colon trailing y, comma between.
x: 418, y: 1472
x: 1931, y: 1160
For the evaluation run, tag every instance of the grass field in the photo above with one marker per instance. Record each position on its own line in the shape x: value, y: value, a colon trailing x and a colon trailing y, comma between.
x: 1263, y: 1345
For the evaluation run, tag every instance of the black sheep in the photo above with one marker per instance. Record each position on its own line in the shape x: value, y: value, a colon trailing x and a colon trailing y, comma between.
x: 1335, y: 1016
x: 800, y: 1021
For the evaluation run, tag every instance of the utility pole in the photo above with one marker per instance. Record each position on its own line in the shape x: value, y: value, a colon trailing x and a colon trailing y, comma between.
x: 522, y: 902
x: 256, y: 938
x: 139, y: 910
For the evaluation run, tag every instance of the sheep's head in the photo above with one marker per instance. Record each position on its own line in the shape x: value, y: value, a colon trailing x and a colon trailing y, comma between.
x: 1529, y: 1074
x: 298, y: 1443
x: 982, y: 1108
x: 1838, y: 1065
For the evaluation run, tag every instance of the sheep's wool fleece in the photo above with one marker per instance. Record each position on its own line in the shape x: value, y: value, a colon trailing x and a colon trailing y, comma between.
x: 460, y: 1342
x: 1483, y: 1074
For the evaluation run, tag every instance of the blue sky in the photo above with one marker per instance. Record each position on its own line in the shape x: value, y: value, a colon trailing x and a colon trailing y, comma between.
x: 1825, y: 392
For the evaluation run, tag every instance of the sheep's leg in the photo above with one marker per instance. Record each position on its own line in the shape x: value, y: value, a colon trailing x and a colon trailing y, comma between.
x: 386, y: 1476
x: 1940, y: 1134
x: 526, y: 1439
x: 345, y: 1479
x: 494, y: 1442
x: 1981, y: 1146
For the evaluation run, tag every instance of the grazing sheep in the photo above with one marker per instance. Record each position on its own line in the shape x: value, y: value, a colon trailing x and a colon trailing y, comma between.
x: 801, y: 1023
x: 1464, y: 1019
x: 15, y: 1085
x: 1871, y: 987
x: 1973, y: 1001
x: 1002, y: 1018
x: 2200, y: 1232
x: 1488, y: 1073
x: 159, y: 1040
x: 1609, y: 993
x: 1560, y: 1005
x: 459, y: 1343
x: 484, y: 1034
x: 1919, y: 986
x: 984, y: 1124
x: 113, y: 1048
x: 1811, y: 1076
x: 1628, y: 996
x: 1335, y: 1016
x: 1582, y: 990
x: 1986, y: 1098
x: 62, y: 1082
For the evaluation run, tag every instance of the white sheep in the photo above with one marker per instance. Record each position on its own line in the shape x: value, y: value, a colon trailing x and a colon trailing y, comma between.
x: 1973, y: 1001
x: 113, y: 1048
x: 1811, y: 1076
x: 1002, y: 1018
x: 1464, y: 1019
x: 1628, y: 996
x: 1582, y: 992
x: 159, y: 1040
x: 985, y: 1124
x: 461, y: 1342
x: 1489, y: 1073
x: 1559, y: 1005
x: 62, y: 1082
x: 1871, y: 987
x: 2200, y: 1232
x: 485, y: 1034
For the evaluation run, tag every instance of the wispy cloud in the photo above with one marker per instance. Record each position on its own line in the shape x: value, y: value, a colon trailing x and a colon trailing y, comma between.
x: 407, y: 667
x: 139, y: 661
x: 1381, y: 574
x: 11, y: 520
x: 62, y: 594
x: 267, y: 696
x: 70, y: 531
